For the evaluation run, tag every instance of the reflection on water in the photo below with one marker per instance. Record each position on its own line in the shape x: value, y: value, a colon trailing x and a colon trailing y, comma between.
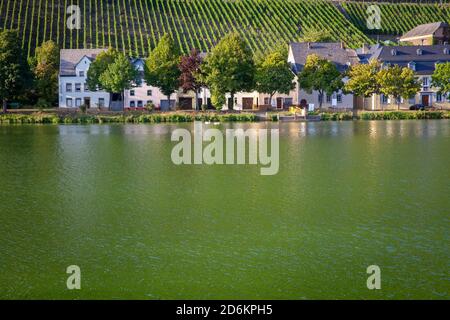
x: 108, y: 198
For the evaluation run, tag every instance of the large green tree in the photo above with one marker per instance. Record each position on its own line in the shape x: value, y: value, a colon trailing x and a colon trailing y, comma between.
x: 161, y: 67
x: 274, y: 74
x: 14, y: 70
x: 441, y: 78
x: 320, y: 75
x: 45, y: 71
x: 362, y: 80
x: 99, y: 66
x: 229, y: 68
x: 398, y: 82
x: 119, y: 76
x: 112, y: 71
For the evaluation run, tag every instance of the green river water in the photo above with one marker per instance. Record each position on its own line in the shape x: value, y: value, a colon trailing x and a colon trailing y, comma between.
x: 109, y: 199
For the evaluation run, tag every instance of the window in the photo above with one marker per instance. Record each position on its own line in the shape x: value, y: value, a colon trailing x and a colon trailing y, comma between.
x: 384, y: 99
x: 438, y: 97
x: 140, y: 104
x: 101, y: 102
x: 132, y: 104
x: 328, y: 98
x: 149, y: 92
x: 77, y: 87
x: 86, y: 88
x: 266, y: 101
x: 149, y: 101
x: 69, y: 103
x: 425, y: 81
x: 319, y: 98
x: 412, y: 66
x: 339, y: 98
x: 77, y: 102
x: 81, y: 73
x: 68, y: 87
x: 287, y: 102
x: 132, y: 93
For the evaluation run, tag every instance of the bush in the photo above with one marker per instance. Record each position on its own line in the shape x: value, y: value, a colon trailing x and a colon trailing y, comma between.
x: 404, y: 115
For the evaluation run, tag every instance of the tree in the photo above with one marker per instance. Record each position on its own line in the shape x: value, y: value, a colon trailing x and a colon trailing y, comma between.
x: 229, y: 68
x: 320, y: 75
x: 99, y: 66
x: 119, y: 76
x: 398, y: 82
x: 46, y: 73
x: 274, y: 74
x: 317, y: 36
x: 441, y: 78
x: 14, y: 70
x: 190, y: 77
x: 161, y: 67
x: 362, y: 80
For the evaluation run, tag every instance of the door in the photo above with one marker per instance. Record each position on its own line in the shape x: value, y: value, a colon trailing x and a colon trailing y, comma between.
x: 165, y: 105
x: 87, y: 102
x: 247, y: 103
x: 279, y: 103
x: 426, y: 100
x: 185, y: 103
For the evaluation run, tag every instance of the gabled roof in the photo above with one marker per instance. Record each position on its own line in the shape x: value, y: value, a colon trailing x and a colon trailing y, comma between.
x: 425, y: 61
x: 332, y: 51
x: 69, y: 58
x: 424, y: 30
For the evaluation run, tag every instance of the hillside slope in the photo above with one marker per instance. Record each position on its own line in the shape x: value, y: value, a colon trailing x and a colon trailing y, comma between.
x: 396, y: 19
x: 136, y: 25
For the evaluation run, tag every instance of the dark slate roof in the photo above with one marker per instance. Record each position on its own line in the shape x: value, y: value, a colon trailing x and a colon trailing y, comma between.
x: 71, y: 57
x: 425, y: 62
x: 333, y: 51
x: 424, y: 30
x: 367, y: 51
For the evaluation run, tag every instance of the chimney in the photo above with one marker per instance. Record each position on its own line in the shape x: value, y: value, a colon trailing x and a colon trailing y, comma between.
x: 365, y: 48
x: 309, y: 45
x: 342, y: 45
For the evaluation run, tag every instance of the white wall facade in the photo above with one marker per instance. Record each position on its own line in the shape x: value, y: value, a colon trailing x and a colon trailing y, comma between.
x: 73, y: 91
x: 143, y: 94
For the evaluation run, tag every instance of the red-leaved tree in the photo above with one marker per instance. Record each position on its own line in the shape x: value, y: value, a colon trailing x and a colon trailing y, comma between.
x: 190, y: 74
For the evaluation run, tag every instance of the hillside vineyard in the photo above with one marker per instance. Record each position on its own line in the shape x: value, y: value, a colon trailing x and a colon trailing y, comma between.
x: 136, y: 25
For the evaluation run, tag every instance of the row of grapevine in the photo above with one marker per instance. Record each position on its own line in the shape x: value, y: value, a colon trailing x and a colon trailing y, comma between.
x: 135, y: 26
x: 396, y: 19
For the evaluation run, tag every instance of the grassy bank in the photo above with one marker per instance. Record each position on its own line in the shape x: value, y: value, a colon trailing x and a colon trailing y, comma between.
x: 386, y: 115
x: 44, y: 118
x: 174, y: 117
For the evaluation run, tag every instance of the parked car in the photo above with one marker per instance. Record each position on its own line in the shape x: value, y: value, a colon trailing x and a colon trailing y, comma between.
x: 418, y: 106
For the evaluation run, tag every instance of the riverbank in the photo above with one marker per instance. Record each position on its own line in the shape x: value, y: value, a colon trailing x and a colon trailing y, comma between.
x: 173, y: 117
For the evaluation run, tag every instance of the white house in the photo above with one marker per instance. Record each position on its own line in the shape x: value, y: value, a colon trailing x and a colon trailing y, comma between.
x: 73, y: 91
x: 423, y: 61
x: 335, y: 52
x: 142, y: 94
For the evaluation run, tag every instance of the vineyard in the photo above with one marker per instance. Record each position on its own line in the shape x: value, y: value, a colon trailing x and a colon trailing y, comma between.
x: 396, y: 19
x: 136, y: 25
